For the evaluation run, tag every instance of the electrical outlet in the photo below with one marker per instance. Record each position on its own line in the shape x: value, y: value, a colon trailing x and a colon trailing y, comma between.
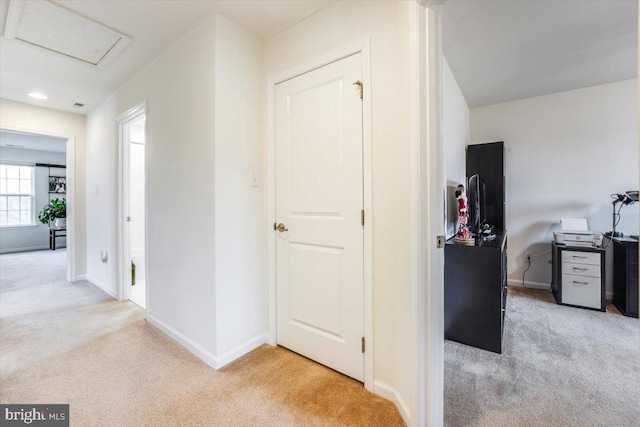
x: 529, y: 256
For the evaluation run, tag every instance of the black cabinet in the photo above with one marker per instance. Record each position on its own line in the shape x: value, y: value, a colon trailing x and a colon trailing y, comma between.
x: 488, y: 161
x: 475, y: 292
x: 625, y: 275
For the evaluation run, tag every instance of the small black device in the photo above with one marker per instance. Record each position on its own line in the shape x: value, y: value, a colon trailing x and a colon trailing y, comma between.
x: 628, y: 198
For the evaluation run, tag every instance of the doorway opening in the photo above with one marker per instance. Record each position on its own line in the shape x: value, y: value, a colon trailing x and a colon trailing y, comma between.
x: 36, y: 199
x: 544, y: 281
x: 133, y: 212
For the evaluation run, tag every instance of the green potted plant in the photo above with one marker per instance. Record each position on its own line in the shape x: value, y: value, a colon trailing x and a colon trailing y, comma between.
x: 56, y: 212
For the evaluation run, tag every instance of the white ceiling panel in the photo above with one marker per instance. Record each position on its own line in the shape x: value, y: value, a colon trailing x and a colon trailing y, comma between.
x: 49, y: 26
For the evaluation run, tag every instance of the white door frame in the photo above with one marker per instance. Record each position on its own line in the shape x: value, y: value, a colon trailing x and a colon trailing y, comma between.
x: 426, y: 66
x: 71, y: 192
x: 124, y: 249
x: 363, y: 48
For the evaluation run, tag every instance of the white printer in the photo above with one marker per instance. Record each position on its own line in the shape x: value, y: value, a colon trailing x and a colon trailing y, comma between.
x: 575, y: 232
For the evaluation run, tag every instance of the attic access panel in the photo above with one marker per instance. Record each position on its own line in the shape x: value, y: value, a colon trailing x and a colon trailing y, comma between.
x: 49, y: 26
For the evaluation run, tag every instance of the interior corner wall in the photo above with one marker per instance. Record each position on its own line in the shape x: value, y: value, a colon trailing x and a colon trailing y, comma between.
x: 241, y: 294
x: 566, y: 153
x: 102, y: 203
x: 387, y: 25
x: 456, y: 131
x: 179, y: 92
x: 16, y: 115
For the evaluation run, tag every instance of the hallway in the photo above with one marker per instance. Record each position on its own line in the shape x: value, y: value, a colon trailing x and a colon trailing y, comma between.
x: 71, y: 343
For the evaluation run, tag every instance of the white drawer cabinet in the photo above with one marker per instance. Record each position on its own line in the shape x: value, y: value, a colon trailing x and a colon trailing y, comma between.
x: 581, y: 290
x: 580, y: 257
x: 589, y: 270
x: 578, y: 276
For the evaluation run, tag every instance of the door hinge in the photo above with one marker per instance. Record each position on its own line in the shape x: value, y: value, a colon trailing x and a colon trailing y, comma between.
x: 362, y: 217
x: 361, y: 87
x: 363, y: 344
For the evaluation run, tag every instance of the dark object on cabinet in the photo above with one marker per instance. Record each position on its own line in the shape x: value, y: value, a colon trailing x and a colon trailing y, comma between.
x: 625, y: 275
x: 487, y: 160
x: 475, y: 292
x: 578, y: 276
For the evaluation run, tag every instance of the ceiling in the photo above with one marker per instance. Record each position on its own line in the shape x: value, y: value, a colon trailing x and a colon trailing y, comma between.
x: 503, y: 50
x: 32, y: 142
x: 154, y: 26
x: 498, y: 50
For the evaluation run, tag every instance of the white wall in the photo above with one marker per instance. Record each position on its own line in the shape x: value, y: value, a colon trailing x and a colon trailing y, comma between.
x: 101, y: 195
x: 456, y: 130
x: 386, y: 23
x: 565, y: 154
x: 179, y: 92
x: 194, y: 150
x: 241, y: 294
x: 29, y: 118
x: 15, y: 239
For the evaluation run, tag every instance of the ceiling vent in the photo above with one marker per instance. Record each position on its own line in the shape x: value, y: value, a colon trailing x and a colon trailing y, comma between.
x: 78, y: 105
x: 61, y: 31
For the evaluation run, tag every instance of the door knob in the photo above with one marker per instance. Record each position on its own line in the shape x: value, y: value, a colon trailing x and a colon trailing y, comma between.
x: 282, y: 228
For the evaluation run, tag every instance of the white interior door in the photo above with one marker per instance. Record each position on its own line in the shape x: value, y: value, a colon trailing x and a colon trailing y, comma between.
x: 319, y: 198
x: 133, y: 210
x: 136, y: 211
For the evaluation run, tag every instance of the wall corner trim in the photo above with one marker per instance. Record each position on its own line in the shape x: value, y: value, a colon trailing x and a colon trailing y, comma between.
x: 240, y: 350
x: 390, y: 393
x: 184, y: 341
x: 101, y: 285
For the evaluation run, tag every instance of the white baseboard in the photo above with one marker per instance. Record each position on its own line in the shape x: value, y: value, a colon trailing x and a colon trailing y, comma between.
x: 534, y: 285
x: 240, y: 350
x: 25, y: 249
x: 545, y: 286
x: 184, y: 341
x: 101, y: 285
x: 390, y: 393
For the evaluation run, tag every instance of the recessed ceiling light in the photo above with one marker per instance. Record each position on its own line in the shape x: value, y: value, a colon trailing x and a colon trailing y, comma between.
x: 38, y: 95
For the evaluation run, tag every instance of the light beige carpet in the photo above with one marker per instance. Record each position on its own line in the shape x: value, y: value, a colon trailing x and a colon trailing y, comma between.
x: 71, y: 343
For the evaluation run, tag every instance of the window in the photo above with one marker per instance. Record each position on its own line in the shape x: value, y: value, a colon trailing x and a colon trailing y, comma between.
x: 16, y: 195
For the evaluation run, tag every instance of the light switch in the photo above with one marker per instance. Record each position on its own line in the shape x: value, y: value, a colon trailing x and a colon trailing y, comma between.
x: 254, y: 179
